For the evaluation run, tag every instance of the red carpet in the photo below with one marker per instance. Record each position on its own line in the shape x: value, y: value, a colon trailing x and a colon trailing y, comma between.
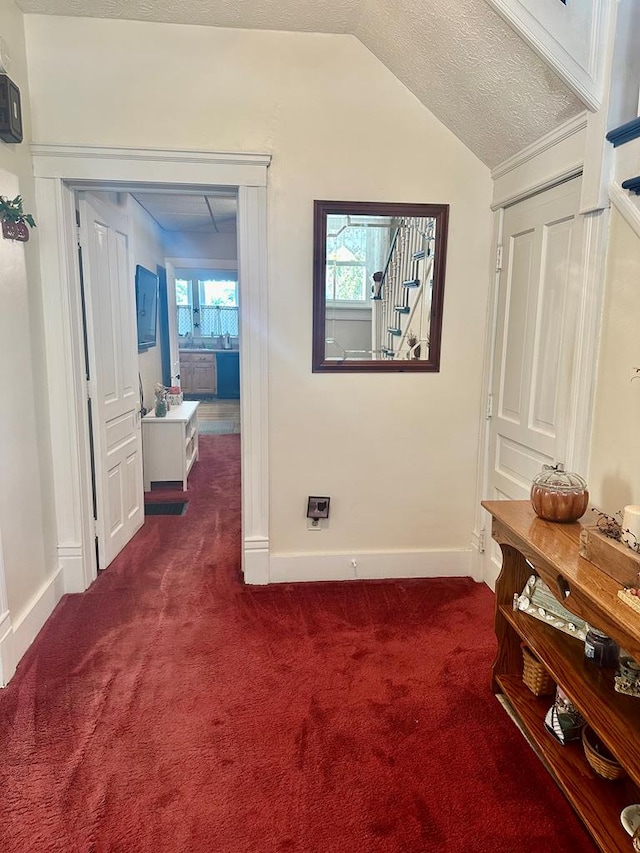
x: 171, y: 710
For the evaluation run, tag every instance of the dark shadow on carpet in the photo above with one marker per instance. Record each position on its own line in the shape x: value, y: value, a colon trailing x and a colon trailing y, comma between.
x: 165, y: 508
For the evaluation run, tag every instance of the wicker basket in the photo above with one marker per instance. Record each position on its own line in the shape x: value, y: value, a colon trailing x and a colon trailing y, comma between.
x: 599, y: 757
x: 535, y: 676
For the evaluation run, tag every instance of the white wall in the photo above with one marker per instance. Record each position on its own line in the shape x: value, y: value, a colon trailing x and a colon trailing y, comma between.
x: 623, y: 104
x: 614, y: 478
x: 26, y: 503
x: 149, y: 252
x: 191, y: 244
x: 397, y: 453
x: 352, y: 328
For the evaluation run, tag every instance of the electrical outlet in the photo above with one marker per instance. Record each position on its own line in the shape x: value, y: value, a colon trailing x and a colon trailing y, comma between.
x: 318, y: 507
x: 314, y: 524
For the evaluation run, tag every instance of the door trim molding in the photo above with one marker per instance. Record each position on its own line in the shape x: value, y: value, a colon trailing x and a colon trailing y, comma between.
x: 550, y: 140
x: 59, y: 170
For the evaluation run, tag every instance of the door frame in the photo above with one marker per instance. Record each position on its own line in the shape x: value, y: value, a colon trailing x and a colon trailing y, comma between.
x: 592, y: 277
x: 59, y: 171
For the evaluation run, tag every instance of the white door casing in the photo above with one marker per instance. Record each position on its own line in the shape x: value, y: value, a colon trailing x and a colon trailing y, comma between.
x: 113, y: 374
x: 58, y: 170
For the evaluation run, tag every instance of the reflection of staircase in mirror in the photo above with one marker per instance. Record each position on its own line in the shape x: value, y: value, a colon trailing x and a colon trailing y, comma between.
x: 402, y: 293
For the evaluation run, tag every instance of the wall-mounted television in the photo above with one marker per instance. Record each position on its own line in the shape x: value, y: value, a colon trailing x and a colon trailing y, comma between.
x: 146, y: 307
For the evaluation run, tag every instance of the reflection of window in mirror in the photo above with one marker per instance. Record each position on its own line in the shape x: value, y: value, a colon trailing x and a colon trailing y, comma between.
x: 356, y: 250
x: 378, y: 285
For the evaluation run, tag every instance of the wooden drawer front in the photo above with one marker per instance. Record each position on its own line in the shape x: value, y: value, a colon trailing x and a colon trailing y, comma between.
x: 204, y: 378
x: 196, y: 357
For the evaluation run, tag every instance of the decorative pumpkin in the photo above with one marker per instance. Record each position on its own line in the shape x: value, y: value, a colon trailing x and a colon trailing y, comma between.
x: 557, y: 495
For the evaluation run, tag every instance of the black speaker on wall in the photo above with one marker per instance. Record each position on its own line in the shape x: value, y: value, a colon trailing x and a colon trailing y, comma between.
x: 10, y: 111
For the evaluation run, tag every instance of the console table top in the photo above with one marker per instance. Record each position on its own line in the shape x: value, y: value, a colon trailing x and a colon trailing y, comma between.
x: 183, y: 412
x: 552, y: 549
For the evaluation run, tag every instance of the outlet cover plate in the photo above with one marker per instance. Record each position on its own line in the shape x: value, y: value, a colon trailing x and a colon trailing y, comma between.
x: 318, y: 507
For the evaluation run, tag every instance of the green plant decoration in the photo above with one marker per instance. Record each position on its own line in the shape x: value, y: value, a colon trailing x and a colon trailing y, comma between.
x: 14, y: 219
x: 11, y: 211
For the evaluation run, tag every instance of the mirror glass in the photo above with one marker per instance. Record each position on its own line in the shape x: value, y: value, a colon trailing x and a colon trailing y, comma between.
x: 378, y: 286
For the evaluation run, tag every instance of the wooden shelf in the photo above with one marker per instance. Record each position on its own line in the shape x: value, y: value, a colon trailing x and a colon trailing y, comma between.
x: 614, y: 716
x: 597, y: 801
x: 591, y: 593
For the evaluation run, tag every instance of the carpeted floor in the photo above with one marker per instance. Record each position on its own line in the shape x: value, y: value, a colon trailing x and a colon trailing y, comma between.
x: 171, y: 710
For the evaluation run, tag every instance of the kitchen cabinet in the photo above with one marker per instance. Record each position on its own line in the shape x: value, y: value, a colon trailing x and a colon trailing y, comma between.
x: 228, y: 374
x: 198, y: 372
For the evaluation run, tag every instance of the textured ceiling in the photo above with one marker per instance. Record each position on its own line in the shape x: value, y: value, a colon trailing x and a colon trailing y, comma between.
x: 460, y: 59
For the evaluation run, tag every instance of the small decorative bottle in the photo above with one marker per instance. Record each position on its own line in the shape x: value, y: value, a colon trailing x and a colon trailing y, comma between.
x: 600, y: 649
x: 161, y: 401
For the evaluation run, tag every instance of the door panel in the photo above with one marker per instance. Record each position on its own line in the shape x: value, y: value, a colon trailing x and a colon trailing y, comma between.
x: 513, y: 333
x: 535, y: 334
x: 554, y: 281
x: 113, y: 372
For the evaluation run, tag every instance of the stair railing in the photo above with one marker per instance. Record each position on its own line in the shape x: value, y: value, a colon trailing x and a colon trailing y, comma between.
x: 406, y: 280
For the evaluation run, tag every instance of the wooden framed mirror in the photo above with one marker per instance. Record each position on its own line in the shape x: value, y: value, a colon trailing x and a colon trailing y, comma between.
x: 378, y: 286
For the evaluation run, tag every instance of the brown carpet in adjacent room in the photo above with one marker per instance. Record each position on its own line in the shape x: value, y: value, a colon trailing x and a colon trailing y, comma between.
x: 170, y: 709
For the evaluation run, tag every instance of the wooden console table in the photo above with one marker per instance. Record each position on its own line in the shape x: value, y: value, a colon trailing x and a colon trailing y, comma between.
x: 552, y: 550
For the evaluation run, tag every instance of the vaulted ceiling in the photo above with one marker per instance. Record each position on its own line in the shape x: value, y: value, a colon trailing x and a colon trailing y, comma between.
x: 460, y: 59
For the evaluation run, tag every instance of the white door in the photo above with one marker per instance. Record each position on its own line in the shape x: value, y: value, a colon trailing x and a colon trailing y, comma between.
x: 113, y: 374
x: 537, y: 317
x: 174, y: 355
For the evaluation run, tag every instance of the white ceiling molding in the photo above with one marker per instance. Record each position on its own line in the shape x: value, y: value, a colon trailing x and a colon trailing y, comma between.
x: 549, y: 140
x: 136, y: 166
x: 570, y: 37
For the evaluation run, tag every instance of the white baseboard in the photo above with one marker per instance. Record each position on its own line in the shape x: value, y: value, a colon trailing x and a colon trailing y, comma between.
x: 7, y: 657
x: 73, y: 571
x: 255, y: 561
x: 476, y: 559
x: 284, y: 568
x: 23, y: 630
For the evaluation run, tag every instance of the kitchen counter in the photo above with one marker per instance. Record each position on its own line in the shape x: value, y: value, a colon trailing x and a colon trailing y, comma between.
x: 206, y: 349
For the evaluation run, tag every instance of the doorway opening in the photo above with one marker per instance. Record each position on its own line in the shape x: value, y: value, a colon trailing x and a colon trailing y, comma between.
x: 60, y: 172
x: 183, y: 320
